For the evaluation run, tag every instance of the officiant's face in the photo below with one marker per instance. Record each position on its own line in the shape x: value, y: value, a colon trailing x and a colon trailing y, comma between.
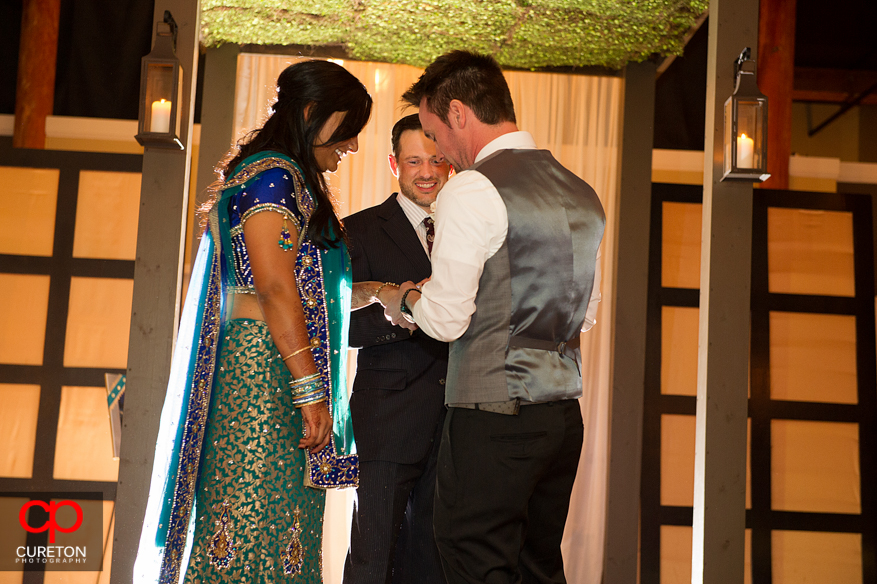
x: 421, y: 171
x: 446, y: 142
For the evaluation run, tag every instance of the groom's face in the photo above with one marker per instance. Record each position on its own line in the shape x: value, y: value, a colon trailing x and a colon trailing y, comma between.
x: 446, y: 142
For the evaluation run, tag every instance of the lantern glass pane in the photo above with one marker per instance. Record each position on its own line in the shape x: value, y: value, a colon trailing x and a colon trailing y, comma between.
x: 750, y: 130
x: 159, y: 97
x: 729, y: 134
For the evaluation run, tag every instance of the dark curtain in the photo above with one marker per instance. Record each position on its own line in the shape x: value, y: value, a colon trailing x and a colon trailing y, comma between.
x: 100, y: 44
x: 680, y: 97
x: 10, y: 34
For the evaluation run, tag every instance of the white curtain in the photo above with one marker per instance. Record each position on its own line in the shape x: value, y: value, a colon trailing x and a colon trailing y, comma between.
x: 576, y: 117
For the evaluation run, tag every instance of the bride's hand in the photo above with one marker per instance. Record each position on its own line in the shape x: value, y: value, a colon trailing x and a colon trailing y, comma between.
x: 317, y: 425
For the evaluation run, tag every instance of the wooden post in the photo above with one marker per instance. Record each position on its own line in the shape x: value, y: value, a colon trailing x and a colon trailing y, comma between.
x: 157, y: 284
x: 776, y: 76
x: 35, y: 86
x: 723, y: 347
x: 629, y: 325
x: 217, y: 121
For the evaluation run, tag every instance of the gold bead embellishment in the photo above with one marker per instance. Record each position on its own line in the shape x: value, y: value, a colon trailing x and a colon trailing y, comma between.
x: 293, y: 556
x: 222, y: 547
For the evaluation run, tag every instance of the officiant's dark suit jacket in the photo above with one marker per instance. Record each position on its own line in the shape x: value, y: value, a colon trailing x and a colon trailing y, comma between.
x: 397, y: 409
x: 398, y: 393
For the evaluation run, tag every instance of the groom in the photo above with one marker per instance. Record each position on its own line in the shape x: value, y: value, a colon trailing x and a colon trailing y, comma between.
x: 515, y: 279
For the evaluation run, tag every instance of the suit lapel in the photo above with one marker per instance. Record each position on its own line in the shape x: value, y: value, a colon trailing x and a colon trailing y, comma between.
x: 398, y: 228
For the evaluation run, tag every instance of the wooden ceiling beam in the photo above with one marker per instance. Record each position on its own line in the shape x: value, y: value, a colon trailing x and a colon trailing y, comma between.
x: 833, y: 85
x: 815, y: 96
x: 845, y: 80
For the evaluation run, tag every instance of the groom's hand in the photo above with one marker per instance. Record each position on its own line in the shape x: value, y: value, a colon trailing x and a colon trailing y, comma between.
x: 393, y: 306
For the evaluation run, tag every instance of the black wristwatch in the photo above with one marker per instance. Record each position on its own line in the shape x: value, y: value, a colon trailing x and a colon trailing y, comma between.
x: 404, y: 307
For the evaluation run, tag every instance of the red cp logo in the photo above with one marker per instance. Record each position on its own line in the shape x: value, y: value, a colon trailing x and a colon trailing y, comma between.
x: 51, y: 524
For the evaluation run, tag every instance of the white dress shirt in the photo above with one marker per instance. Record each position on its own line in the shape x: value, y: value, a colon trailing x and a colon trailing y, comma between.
x: 416, y: 214
x: 471, y: 224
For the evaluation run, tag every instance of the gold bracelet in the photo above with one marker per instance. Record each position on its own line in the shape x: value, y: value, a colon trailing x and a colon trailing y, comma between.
x: 309, y: 401
x: 293, y: 354
x: 381, y: 287
x: 293, y: 383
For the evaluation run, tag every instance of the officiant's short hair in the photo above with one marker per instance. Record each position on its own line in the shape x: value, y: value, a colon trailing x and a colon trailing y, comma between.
x: 409, y: 122
x: 476, y: 80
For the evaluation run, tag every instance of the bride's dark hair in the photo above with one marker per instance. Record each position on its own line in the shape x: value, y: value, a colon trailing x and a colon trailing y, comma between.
x: 322, y: 88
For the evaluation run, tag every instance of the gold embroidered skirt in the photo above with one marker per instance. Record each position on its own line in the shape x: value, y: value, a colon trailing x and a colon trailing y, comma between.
x: 255, y: 519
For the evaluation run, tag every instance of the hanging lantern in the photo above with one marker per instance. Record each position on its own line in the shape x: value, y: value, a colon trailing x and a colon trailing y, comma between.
x: 745, y: 126
x: 161, y: 91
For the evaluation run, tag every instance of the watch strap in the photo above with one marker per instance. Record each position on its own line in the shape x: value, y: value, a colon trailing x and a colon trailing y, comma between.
x: 404, y: 307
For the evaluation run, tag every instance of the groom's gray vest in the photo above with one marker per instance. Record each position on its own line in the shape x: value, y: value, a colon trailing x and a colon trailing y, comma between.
x: 523, y: 339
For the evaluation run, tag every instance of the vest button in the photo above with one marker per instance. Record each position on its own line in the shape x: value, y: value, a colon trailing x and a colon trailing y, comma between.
x: 442, y: 381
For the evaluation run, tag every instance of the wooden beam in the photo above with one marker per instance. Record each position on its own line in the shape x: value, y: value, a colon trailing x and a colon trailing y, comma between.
x: 629, y: 325
x: 339, y: 51
x: 158, y: 270
x: 35, y: 86
x: 848, y: 81
x: 832, y: 85
x: 668, y: 60
x: 836, y: 97
x: 776, y: 74
x: 723, y: 346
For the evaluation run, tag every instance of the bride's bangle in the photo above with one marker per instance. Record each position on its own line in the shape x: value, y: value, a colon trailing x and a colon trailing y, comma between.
x: 294, y: 353
x: 381, y: 287
x: 311, y: 397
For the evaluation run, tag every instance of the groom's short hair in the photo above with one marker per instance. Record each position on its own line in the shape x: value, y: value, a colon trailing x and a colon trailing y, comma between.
x: 476, y: 80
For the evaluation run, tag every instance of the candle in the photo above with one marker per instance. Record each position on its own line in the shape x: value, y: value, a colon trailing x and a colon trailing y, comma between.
x: 745, y: 148
x: 161, y: 116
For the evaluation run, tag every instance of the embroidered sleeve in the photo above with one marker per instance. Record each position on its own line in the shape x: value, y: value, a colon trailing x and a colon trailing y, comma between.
x: 271, y: 190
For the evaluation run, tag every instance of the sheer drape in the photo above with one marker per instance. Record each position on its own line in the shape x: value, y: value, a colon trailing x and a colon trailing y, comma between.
x: 574, y: 116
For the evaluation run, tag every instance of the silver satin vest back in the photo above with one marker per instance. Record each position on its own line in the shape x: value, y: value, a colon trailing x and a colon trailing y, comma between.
x: 534, y: 291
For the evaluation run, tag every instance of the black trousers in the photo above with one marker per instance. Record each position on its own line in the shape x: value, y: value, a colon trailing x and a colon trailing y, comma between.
x: 502, y: 497
x: 391, y: 538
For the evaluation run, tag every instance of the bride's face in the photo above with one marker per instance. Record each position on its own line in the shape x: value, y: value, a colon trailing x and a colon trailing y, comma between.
x: 328, y: 156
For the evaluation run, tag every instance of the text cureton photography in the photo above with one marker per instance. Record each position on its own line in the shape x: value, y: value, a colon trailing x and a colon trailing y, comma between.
x: 51, y: 531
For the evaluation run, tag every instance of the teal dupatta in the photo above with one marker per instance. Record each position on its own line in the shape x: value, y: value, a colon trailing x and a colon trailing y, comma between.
x: 324, y: 276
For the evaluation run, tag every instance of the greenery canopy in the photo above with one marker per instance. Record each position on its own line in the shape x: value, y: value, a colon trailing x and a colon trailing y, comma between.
x: 518, y: 33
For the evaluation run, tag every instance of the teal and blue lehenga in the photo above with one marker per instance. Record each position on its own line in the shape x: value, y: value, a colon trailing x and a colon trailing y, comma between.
x: 232, y: 497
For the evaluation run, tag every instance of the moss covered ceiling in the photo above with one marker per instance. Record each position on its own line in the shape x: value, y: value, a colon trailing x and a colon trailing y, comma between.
x: 519, y: 33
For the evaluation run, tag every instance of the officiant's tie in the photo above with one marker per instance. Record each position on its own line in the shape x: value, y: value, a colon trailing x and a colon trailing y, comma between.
x: 430, y: 233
